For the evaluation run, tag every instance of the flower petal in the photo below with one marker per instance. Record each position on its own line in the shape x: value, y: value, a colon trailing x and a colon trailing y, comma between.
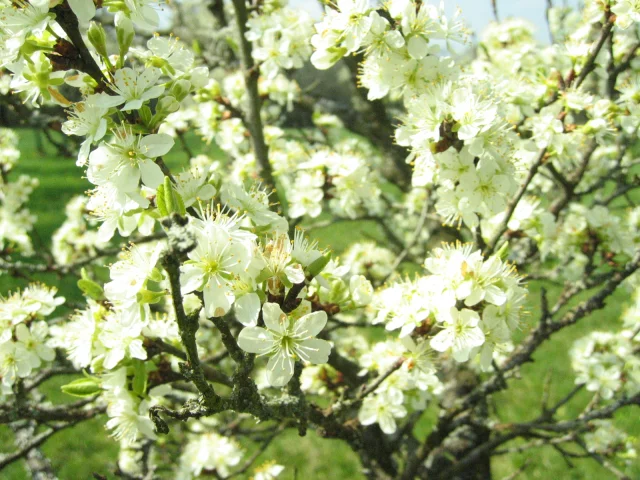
x: 152, y: 175
x: 274, y: 318
x: 443, y: 340
x: 255, y: 340
x: 311, y: 325
x: 280, y: 369
x: 314, y: 350
x: 218, y: 298
x: 247, y: 309
x: 191, y: 278
x: 85, y: 10
x: 156, y: 145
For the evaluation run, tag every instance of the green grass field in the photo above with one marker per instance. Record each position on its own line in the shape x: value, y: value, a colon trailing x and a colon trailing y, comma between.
x: 77, y: 453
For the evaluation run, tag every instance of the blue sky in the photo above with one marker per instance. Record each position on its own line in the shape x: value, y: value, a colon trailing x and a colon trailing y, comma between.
x: 478, y: 13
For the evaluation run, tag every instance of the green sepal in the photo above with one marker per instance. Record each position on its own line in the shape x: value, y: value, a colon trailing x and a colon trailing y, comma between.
x: 503, y: 252
x: 148, y: 296
x: 339, y: 292
x: 316, y: 267
x: 156, y: 275
x: 285, y: 281
x: 145, y: 114
x: 264, y: 275
x: 262, y: 296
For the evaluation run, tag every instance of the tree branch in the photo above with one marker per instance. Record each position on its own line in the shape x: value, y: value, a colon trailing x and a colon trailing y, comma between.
x: 254, y: 102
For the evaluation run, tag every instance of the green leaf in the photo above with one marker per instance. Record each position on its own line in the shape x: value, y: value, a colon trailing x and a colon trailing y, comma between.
x: 162, y: 207
x: 168, y: 200
x: 195, y: 45
x: 168, y: 195
x: 91, y: 289
x: 182, y: 211
x: 82, y: 387
x: 139, y: 383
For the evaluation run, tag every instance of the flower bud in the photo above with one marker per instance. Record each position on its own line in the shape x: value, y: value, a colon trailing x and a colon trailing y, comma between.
x: 167, y: 105
x: 180, y: 89
x: 98, y: 39
x: 361, y: 290
x: 124, y: 32
x: 199, y: 77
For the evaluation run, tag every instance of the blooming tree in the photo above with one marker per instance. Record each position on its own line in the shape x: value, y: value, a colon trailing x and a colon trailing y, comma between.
x: 221, y: 323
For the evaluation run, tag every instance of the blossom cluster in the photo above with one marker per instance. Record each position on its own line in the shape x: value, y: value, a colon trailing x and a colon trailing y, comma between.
x: 16, y: 221
x: 24, y: 335
x: 212, y: 255
x: 468, y: 304
x: 407, y: 389
x: 280, y: 39
x: 605, y: 362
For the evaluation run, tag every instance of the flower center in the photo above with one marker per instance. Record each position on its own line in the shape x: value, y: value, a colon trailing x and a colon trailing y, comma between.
x: 211, y: 267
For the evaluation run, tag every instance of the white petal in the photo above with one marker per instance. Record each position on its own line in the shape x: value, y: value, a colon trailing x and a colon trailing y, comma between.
x: 85, y: 10
x: 106, y: 230
x: 217, y: 299
x: 311, y: 325
x: 475, y: 297
x: 294, y: 273
x: 191, y: 278
x: 247, y: 309
x: 152, y: 175
x: 474, y: 337
x: 314, y: 350
x: 137, y: 350
x: 495, y: 295
x: 46, y: 353
x: 387, y: 423
x: 443, y: 340
x: 156, y: 145
x: 23, y: 369
x: 417, y: 47
x: 153, y: 92
x: 132, y: 105
x: 22, y: 333
x: 126, y: 180
x: 255, y: 340
x: 279, y: 369
x: 274, y: 318
x: 394, y: 39
x: 461, y: 355
x: 107, y: 101
x: 113, y: 357
x: 368, y: 413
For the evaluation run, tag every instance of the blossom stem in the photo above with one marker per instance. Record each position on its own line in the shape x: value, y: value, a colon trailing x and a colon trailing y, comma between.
x: 188, y: 326
x: 254, y: 103
x: 511, y: 207
x: 69, y: 23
